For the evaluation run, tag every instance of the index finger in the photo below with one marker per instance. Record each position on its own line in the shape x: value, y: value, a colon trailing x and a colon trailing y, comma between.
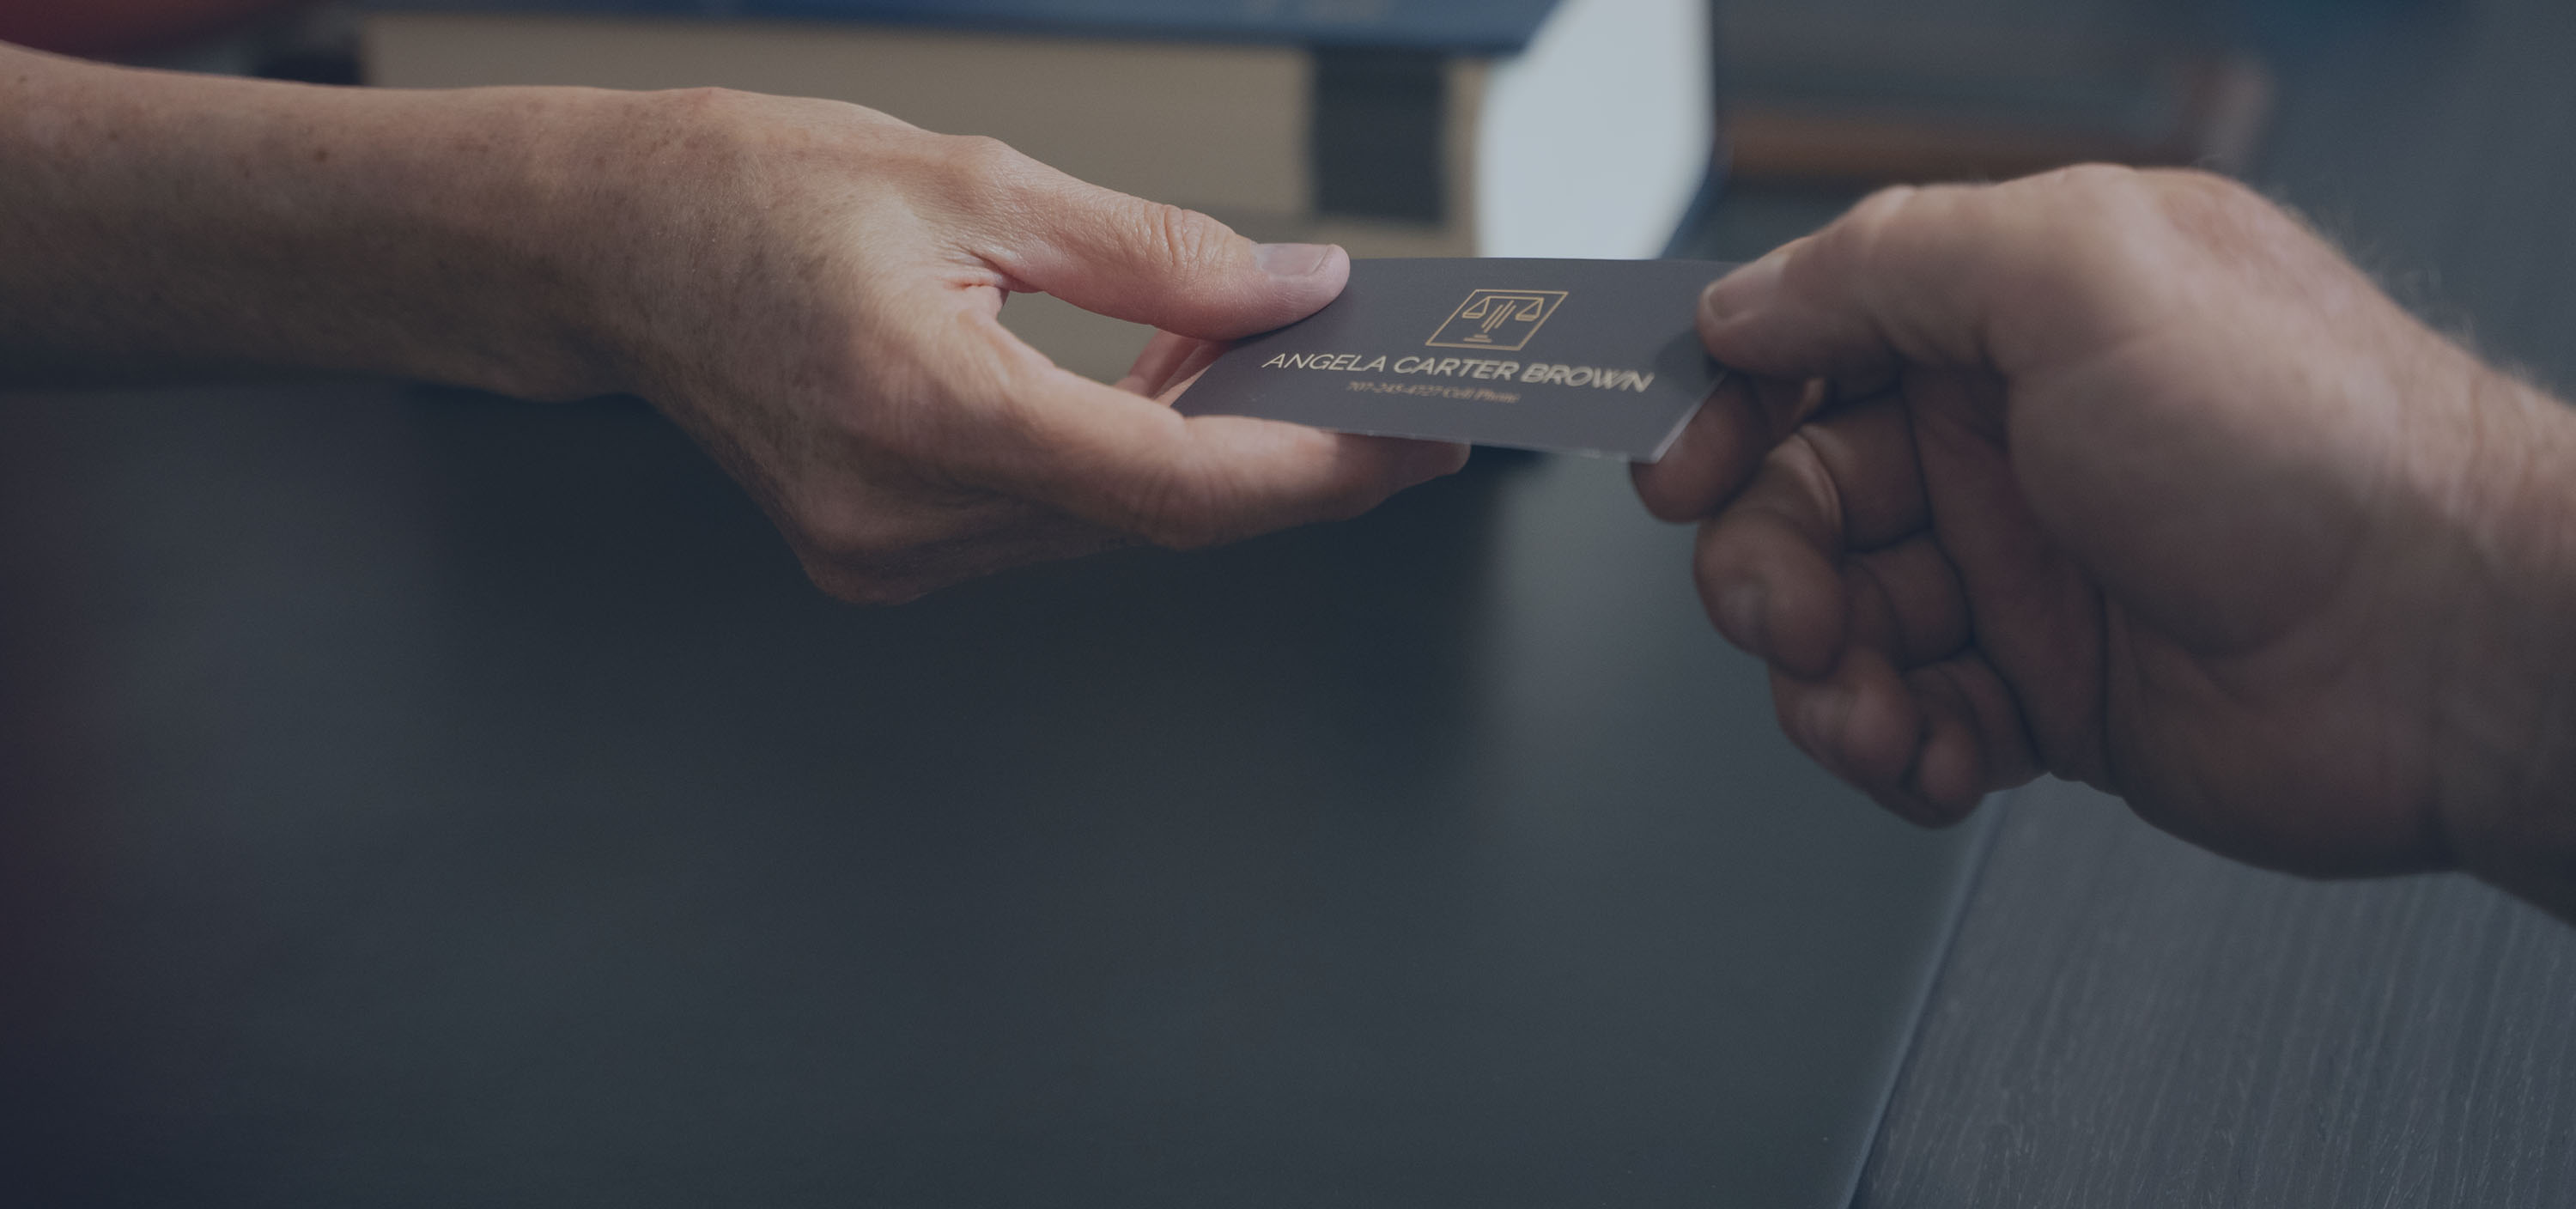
x: 1716, y: 453
x: 1989, y: 277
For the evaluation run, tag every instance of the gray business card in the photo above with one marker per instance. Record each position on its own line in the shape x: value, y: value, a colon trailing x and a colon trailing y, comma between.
x: 1579, y: 356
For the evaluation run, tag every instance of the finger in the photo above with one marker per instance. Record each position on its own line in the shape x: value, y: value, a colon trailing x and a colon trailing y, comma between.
x: 1860, y: 723
x: 1927, y: 745
x: 1155, y: 362
x: 1018, y: 425
x: 1907, y: 601
x: 1868, y: 455
x: 1778, y: 571
x: 1152, y: 263
x: 1975, y: 738
x: 1948, y: 775
x: 1187, y: 372
x: 1768, y: 566
x: 1975, y: 276
x: 1166, y: 359
x: 1722, y: 445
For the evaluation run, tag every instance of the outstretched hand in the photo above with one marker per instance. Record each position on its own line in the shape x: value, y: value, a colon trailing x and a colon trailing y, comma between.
x: 813, y: 290
x: 810, y: 288
x: 2130, y: 478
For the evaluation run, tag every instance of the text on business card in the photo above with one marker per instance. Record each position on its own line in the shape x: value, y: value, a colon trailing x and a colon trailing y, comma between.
x: 1477, y: 368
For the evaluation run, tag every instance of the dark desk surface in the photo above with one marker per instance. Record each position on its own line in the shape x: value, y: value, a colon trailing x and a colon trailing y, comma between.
x: 2128, y: 1021
x: 420, y: 798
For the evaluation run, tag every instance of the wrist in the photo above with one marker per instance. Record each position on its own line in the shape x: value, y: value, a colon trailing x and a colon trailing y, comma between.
x: 514, y: 239
x: 626, y: 207
x: 2506, y: 721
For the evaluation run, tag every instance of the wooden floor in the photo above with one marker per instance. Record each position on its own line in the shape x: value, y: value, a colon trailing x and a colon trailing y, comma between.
x: 2126, y: 1021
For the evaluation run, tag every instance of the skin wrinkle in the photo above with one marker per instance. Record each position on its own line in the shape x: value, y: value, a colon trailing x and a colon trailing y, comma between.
x: 1945, y: 632
x: 1801, y: 461
x: 2008, y: 751
x: 2511, y: 739
x: 706, y: 278
x: 779, y: 276
x: 2062, y: 740
x: 2453, y: 498
x: 2045, y: 733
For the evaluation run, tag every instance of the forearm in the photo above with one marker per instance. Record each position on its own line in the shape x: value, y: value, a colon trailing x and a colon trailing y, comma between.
x: 157, y: 225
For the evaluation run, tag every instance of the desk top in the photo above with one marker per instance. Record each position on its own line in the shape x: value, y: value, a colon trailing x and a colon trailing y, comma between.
x: 2130, y: 1021
x: 427, y: 798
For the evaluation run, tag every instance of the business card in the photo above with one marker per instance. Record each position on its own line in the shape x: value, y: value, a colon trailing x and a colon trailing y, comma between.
x: 1578, y: 356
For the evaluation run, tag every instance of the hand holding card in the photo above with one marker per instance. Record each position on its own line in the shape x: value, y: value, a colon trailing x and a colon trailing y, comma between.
x: 1578, y: 356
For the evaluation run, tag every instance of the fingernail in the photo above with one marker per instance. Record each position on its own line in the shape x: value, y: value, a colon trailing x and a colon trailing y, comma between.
x: 1749, y: 288
x: 1740, y: 610
x: 1292, y: 259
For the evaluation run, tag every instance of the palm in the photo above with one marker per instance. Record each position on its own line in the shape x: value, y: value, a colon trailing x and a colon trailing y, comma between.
x: 2181, y: 629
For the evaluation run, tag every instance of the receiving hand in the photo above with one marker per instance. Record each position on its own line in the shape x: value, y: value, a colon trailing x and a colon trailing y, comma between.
x: 2130, y: 478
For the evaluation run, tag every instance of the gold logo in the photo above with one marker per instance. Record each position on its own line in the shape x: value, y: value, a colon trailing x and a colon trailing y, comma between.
x: 1496, y: 320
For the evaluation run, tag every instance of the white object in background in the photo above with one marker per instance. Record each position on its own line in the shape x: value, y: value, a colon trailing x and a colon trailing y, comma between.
x: 1594, y: 140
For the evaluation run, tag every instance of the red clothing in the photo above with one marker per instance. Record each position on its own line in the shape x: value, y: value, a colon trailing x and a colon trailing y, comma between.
x: 103, y: 27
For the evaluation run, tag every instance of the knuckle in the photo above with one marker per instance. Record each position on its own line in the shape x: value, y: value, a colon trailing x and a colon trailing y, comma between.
x: 708, y: 99
x: 1173, y: 512
x: 975, y: 172
x: 2217, y: 210
x: 2090, y: 178
x: 2087, y: 197
x: 1885, y: 206
x: 1182, y: 238
x: 983, y: 156
x: 1802, y: 491
x: 2194, y: 180
x: 1872, y: 228
x: 2075, y: 195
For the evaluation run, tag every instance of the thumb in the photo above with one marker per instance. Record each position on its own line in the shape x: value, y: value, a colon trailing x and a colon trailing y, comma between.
x: 1176, y: 269
x: 1978, y: 277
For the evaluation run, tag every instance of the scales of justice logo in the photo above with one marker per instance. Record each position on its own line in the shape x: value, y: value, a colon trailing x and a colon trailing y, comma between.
x: 1498, y: 321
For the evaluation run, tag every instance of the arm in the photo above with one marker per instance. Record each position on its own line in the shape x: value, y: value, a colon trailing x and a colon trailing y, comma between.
x: 162, y: 225
x: 2129, y: 478
x: 810, y: 288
